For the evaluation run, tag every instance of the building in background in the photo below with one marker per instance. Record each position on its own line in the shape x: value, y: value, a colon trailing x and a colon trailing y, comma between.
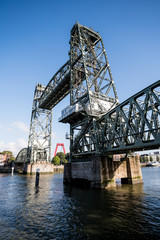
x: 4, y: 158
x: 150, y: 157
x: 155, y: 156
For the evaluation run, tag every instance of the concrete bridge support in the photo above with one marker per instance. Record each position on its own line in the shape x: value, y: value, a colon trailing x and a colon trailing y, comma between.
x: 102, y: 172
x: 43, y: 167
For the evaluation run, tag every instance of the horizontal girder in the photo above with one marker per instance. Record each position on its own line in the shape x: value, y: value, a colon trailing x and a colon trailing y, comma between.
x: 57, y: 89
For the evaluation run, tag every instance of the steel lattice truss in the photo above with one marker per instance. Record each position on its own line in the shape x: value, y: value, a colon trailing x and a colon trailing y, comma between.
x: 134, y: 124
x: 39, y: 143
x: 92, y: 86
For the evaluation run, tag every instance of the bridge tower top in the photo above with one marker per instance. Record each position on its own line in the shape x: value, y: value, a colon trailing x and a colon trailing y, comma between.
x: 91, y: 81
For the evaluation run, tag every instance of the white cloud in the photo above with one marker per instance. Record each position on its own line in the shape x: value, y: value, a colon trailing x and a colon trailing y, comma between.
x: 2, y: 146
x: 11, y: 139
x: 10, y: 130
x: 14, y: 147
x: 22, y: 126
x: 14, y: 126
x: 1, y: 126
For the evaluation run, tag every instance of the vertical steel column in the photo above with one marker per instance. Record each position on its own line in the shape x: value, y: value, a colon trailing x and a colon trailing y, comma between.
x: 39, y: 142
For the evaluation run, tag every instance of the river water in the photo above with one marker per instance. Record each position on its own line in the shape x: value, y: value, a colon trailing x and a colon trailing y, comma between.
x: 55, y: 211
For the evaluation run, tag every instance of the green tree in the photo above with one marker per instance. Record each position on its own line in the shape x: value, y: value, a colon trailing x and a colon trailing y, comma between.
x: 157, y: 158
x: 56, y: 160
x: 151, y: 159
x: 141, y: 159
x: 9, y: 153
x: 62, y: 156
x: 11, y: 157
x: 65, y: 161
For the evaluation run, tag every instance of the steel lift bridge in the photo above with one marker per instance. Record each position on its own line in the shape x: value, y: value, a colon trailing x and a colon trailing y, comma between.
x: 99, y: 125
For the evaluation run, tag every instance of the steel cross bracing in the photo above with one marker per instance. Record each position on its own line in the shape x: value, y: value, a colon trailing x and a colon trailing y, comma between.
x: 39, y: 143
x: 91, y: 80
x: 92, y: 87
x: 134, y: 124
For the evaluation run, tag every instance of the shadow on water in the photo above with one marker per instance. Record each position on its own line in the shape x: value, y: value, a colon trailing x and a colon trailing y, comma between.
x: 109, y: 214
x: 55, y: 211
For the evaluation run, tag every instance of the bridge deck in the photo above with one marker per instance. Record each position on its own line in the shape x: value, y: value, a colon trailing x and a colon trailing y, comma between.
x: 56, y: 94
x: 57, y: 89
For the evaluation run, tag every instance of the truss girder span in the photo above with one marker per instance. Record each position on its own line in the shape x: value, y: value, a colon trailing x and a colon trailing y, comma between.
x: 57, y: 88
x: 134, y: 124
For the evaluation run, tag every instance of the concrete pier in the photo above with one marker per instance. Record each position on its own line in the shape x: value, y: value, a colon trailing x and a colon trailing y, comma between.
x: 102, y: 172
x: 44, y: 167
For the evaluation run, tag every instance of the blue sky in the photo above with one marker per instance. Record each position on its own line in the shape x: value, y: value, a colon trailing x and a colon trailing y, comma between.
x: 34, y: 44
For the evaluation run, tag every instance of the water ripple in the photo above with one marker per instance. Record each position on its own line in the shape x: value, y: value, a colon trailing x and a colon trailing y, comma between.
x: 54, y: 211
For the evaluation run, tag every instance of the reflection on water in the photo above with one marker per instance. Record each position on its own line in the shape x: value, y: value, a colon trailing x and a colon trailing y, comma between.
x: 55, y: 211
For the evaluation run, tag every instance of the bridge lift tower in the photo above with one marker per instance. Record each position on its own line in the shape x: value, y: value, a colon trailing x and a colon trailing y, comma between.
x: 39, y: 141
x: 92, y: 90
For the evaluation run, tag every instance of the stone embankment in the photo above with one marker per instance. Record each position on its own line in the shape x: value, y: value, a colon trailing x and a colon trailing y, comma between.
x: 42, y: 167
x: 31, y: 169
x: 5, y: 169
x: 143, y: 164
